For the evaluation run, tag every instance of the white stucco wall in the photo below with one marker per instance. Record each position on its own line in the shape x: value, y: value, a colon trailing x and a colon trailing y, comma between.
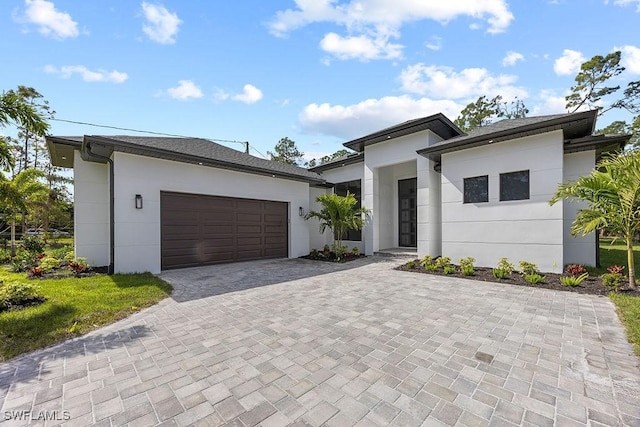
x: 137, y: 234
x: 380, y: 191
x: 580, y: 249
x: 528, y: 230
x: 334, y: 176
x: 317, y: 240
x: 91, y: 211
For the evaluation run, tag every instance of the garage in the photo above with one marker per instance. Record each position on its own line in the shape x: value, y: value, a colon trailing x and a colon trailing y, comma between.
x: 200, y: 230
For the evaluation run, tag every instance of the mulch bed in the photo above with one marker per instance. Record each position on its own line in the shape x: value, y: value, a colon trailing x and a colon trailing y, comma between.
x: 331, y: 257
x: 592, y: 285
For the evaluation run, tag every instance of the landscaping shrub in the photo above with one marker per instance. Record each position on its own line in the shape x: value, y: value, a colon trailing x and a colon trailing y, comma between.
x: 575, y: 270
x: 62, y: 252
x: 314, y: 253
x: 534, y: 278
x: 613, y: 278
x: 443, y: 261
x: 23, y: 261
x: 33, y: 244
x: 505, y: 266
x: 355, y: 251
x: 528, y: 268
x: 466, y: 266
x: 15, y: 295
x: 48, y: 264
x: 572, y: 281
x: 449, y: 269
x: 500, y: 273
x: 426, y: 261
x: 78, y: 266
x: 411, y: 265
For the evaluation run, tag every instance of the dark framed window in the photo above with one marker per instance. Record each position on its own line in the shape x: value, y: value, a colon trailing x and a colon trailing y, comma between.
x: 514, y: 186
x: 354, y: 187
x: 476, y: 189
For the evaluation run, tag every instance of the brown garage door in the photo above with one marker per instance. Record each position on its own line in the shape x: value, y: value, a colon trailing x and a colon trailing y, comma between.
x: 200, y: 230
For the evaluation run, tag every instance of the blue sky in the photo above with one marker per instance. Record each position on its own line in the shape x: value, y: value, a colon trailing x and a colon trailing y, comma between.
x: 317, y: 71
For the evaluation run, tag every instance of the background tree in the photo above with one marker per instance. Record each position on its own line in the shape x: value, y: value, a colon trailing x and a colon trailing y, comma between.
x: 485, y: 111
x: 325, y: 159
x: 339, y: 214
x: 612, y: 192
x: 286, y: 151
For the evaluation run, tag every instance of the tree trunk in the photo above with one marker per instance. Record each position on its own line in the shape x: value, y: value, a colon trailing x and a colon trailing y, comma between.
x: 13, y: 236
x: 631, y: 263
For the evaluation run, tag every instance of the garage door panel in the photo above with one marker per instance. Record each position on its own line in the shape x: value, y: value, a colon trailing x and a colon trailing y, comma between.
x: 200, y: 230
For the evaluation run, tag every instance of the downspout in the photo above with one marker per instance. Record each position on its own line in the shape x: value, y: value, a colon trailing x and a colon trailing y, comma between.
x: 112, y: 251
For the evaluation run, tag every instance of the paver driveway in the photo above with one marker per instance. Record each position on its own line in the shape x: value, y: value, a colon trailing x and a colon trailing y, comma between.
x: 301, y: 342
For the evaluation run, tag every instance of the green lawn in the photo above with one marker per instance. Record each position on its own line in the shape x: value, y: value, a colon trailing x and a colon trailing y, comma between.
x: 74, y: 307
x: 628, y: 307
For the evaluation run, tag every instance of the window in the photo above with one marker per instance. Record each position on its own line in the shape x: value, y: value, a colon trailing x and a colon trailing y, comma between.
x: 476, y: 189
x: 514, y: 185
x: 355, y: 188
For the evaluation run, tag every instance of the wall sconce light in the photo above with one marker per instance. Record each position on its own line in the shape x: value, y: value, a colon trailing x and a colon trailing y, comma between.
x: 138, y: 201
x: 301, y: 211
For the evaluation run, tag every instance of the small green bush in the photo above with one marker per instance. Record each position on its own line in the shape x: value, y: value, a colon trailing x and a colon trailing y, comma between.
x: 48, y: 264
x: 23, y: 261
x: 411, y: 265
x: 466, y: 266
x: 612, y: 281
x: 573, y: 281
x: 534, y: 278
x: 78, y: 266
x: 528, y: 268
x: 313, y: 253
x: 500, y: 273
x: 449, y: 269
x: 62, y: 252
x: 18, y: 294
x: 505, y: 266
x: 70, y: 257
x: 326, y: 249
x: 33, y: 244
x: 355, y: 251
x: 426, y: 261
x: 443, y: 261
x: 431, y: 267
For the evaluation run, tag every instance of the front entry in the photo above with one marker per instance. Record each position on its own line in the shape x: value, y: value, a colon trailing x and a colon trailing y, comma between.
x: 407, y: 212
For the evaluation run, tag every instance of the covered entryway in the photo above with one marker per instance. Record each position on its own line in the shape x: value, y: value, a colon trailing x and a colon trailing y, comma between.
x: 200, y: 230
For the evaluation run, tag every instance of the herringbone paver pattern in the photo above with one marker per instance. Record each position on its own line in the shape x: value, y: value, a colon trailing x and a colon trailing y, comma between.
x: 293, y: 342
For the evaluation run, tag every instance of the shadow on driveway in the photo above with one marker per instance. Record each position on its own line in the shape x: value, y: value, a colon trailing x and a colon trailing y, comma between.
x: 201, y: 282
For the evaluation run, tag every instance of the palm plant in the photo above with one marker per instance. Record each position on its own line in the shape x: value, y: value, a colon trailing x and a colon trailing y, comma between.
x: 339, y: 214
x: 612, y: 191
x: 17, y: 195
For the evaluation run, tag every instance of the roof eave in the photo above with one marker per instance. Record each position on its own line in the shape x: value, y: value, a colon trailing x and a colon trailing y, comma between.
x: 125, y: 147
x: 358, y: 158
x: 61, y: 151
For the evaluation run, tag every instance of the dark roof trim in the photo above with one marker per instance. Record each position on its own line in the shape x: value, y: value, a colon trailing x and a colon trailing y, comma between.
x: 349, y: 159
x: 600, y: 143
x: 437, y: 123
x: 557, y: 123
x: 130, y: 148
x: 61, y: 150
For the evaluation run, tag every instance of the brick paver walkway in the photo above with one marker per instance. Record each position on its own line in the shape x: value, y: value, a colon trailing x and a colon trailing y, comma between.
x: 294, y: 342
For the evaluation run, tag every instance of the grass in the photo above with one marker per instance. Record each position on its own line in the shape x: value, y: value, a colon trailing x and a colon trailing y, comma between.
x: 74, y: 307
x: 628, y: 307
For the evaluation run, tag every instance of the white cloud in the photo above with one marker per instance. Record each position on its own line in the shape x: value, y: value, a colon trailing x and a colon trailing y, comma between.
x: 249, y: 95
x: 370, y: 23
x: 511, y: 58
x: 569, y: 62
x: 67, y: 71
x: 360, y: 47
x: 368, y: 116
x: 186, y: 89
x: 445, y: 82
x: 630, y: 58
x: 161, y: 25
x: 626, y: 3
x: 548, y: 102
x: 434, y: 43
x: 50, y: 22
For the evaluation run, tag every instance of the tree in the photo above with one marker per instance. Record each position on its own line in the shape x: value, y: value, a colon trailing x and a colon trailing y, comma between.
x: 19, y: 194
x: 620, y: 127
x: 325, y: 159
x: 612, y: 192
x: 286, y: 151
x: 339, y: 214
x: 485, y: 111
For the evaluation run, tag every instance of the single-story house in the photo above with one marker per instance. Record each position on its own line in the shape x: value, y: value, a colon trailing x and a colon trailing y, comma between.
x: 155, y: 203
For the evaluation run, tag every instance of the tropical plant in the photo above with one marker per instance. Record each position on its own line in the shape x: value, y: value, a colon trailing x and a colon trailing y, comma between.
x: 575, y: 270
x: 612, y: 192
x: 500, y: 273
x: 443, y: 261
x: 534, y: 278
x: 573, y: 281
x: 411, y: 265
x: 528, y: 268
x: 426, y: 261
x: 505, y: 266
x: 339, y: 214
x: 19, y: 194
x: 466, y: 266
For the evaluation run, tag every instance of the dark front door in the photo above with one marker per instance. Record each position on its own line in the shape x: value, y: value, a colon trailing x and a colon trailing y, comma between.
x: 407, y: 212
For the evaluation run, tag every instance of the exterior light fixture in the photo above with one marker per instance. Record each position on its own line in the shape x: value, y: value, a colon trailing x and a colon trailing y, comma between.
x: 301, y: 211
x: 138, y: 201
